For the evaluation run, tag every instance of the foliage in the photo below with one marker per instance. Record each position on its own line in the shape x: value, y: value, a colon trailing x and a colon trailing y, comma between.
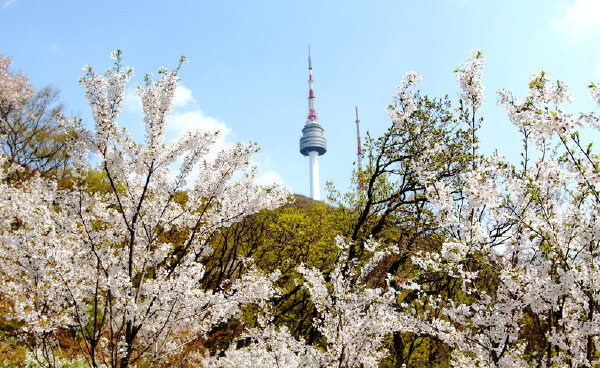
x: 33, y: 138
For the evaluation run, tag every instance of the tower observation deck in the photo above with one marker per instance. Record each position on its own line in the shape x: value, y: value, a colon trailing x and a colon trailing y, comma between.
x: 312, y: 139
x: 312, y: 142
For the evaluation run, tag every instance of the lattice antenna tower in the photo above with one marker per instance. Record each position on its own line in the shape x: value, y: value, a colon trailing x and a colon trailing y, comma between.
x: 359, y: 154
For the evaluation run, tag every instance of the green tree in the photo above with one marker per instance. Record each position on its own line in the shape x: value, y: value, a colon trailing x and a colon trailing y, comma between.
x: 393, y: 206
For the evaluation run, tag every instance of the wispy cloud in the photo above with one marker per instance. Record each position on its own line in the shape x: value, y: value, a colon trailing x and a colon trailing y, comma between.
x: 185, y: 117
x: 580, y: 21
x: 7, y: 3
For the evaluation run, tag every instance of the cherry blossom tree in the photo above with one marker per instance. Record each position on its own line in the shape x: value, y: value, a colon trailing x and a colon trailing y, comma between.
x: 522, y: 242
x: 14, y: 88
x: 33, y: 138
x: 119, y: 270
x: 519, y: 252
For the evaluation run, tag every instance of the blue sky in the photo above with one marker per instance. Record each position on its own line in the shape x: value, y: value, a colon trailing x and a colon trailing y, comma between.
x: 248, y: 74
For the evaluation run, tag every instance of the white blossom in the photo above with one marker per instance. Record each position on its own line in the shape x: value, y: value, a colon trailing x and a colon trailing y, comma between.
x: 469, y: 76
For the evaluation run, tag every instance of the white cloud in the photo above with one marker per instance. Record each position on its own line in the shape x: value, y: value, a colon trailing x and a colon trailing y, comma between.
x: 7, y: 3
x: 183, y: 96
x: 268, y: 178
x: 265, y: 175
x: 581, y: 20
x: 195, y: 120
x: 181, y: 120
x: 131, y: 101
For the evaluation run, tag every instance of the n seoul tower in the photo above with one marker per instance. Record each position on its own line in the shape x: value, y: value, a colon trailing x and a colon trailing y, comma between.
x: 312, y: 143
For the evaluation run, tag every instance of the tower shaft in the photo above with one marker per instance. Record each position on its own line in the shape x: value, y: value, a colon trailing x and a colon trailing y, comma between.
x: 313, y: 162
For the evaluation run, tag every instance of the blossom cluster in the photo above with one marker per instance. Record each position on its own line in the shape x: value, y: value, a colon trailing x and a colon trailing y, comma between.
x: 469, y: 76
x: 541, y: 113
x: 14, y: 88
x: 404, y: 104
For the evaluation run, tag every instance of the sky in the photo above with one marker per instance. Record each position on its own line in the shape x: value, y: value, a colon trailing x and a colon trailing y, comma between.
x: 248, y: 69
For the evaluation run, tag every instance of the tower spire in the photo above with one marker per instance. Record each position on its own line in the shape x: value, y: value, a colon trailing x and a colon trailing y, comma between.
x: 312, y: 142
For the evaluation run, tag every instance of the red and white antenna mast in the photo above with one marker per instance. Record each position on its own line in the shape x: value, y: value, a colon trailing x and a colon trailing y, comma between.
x: 361, y: 184
x: 312, y: 111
